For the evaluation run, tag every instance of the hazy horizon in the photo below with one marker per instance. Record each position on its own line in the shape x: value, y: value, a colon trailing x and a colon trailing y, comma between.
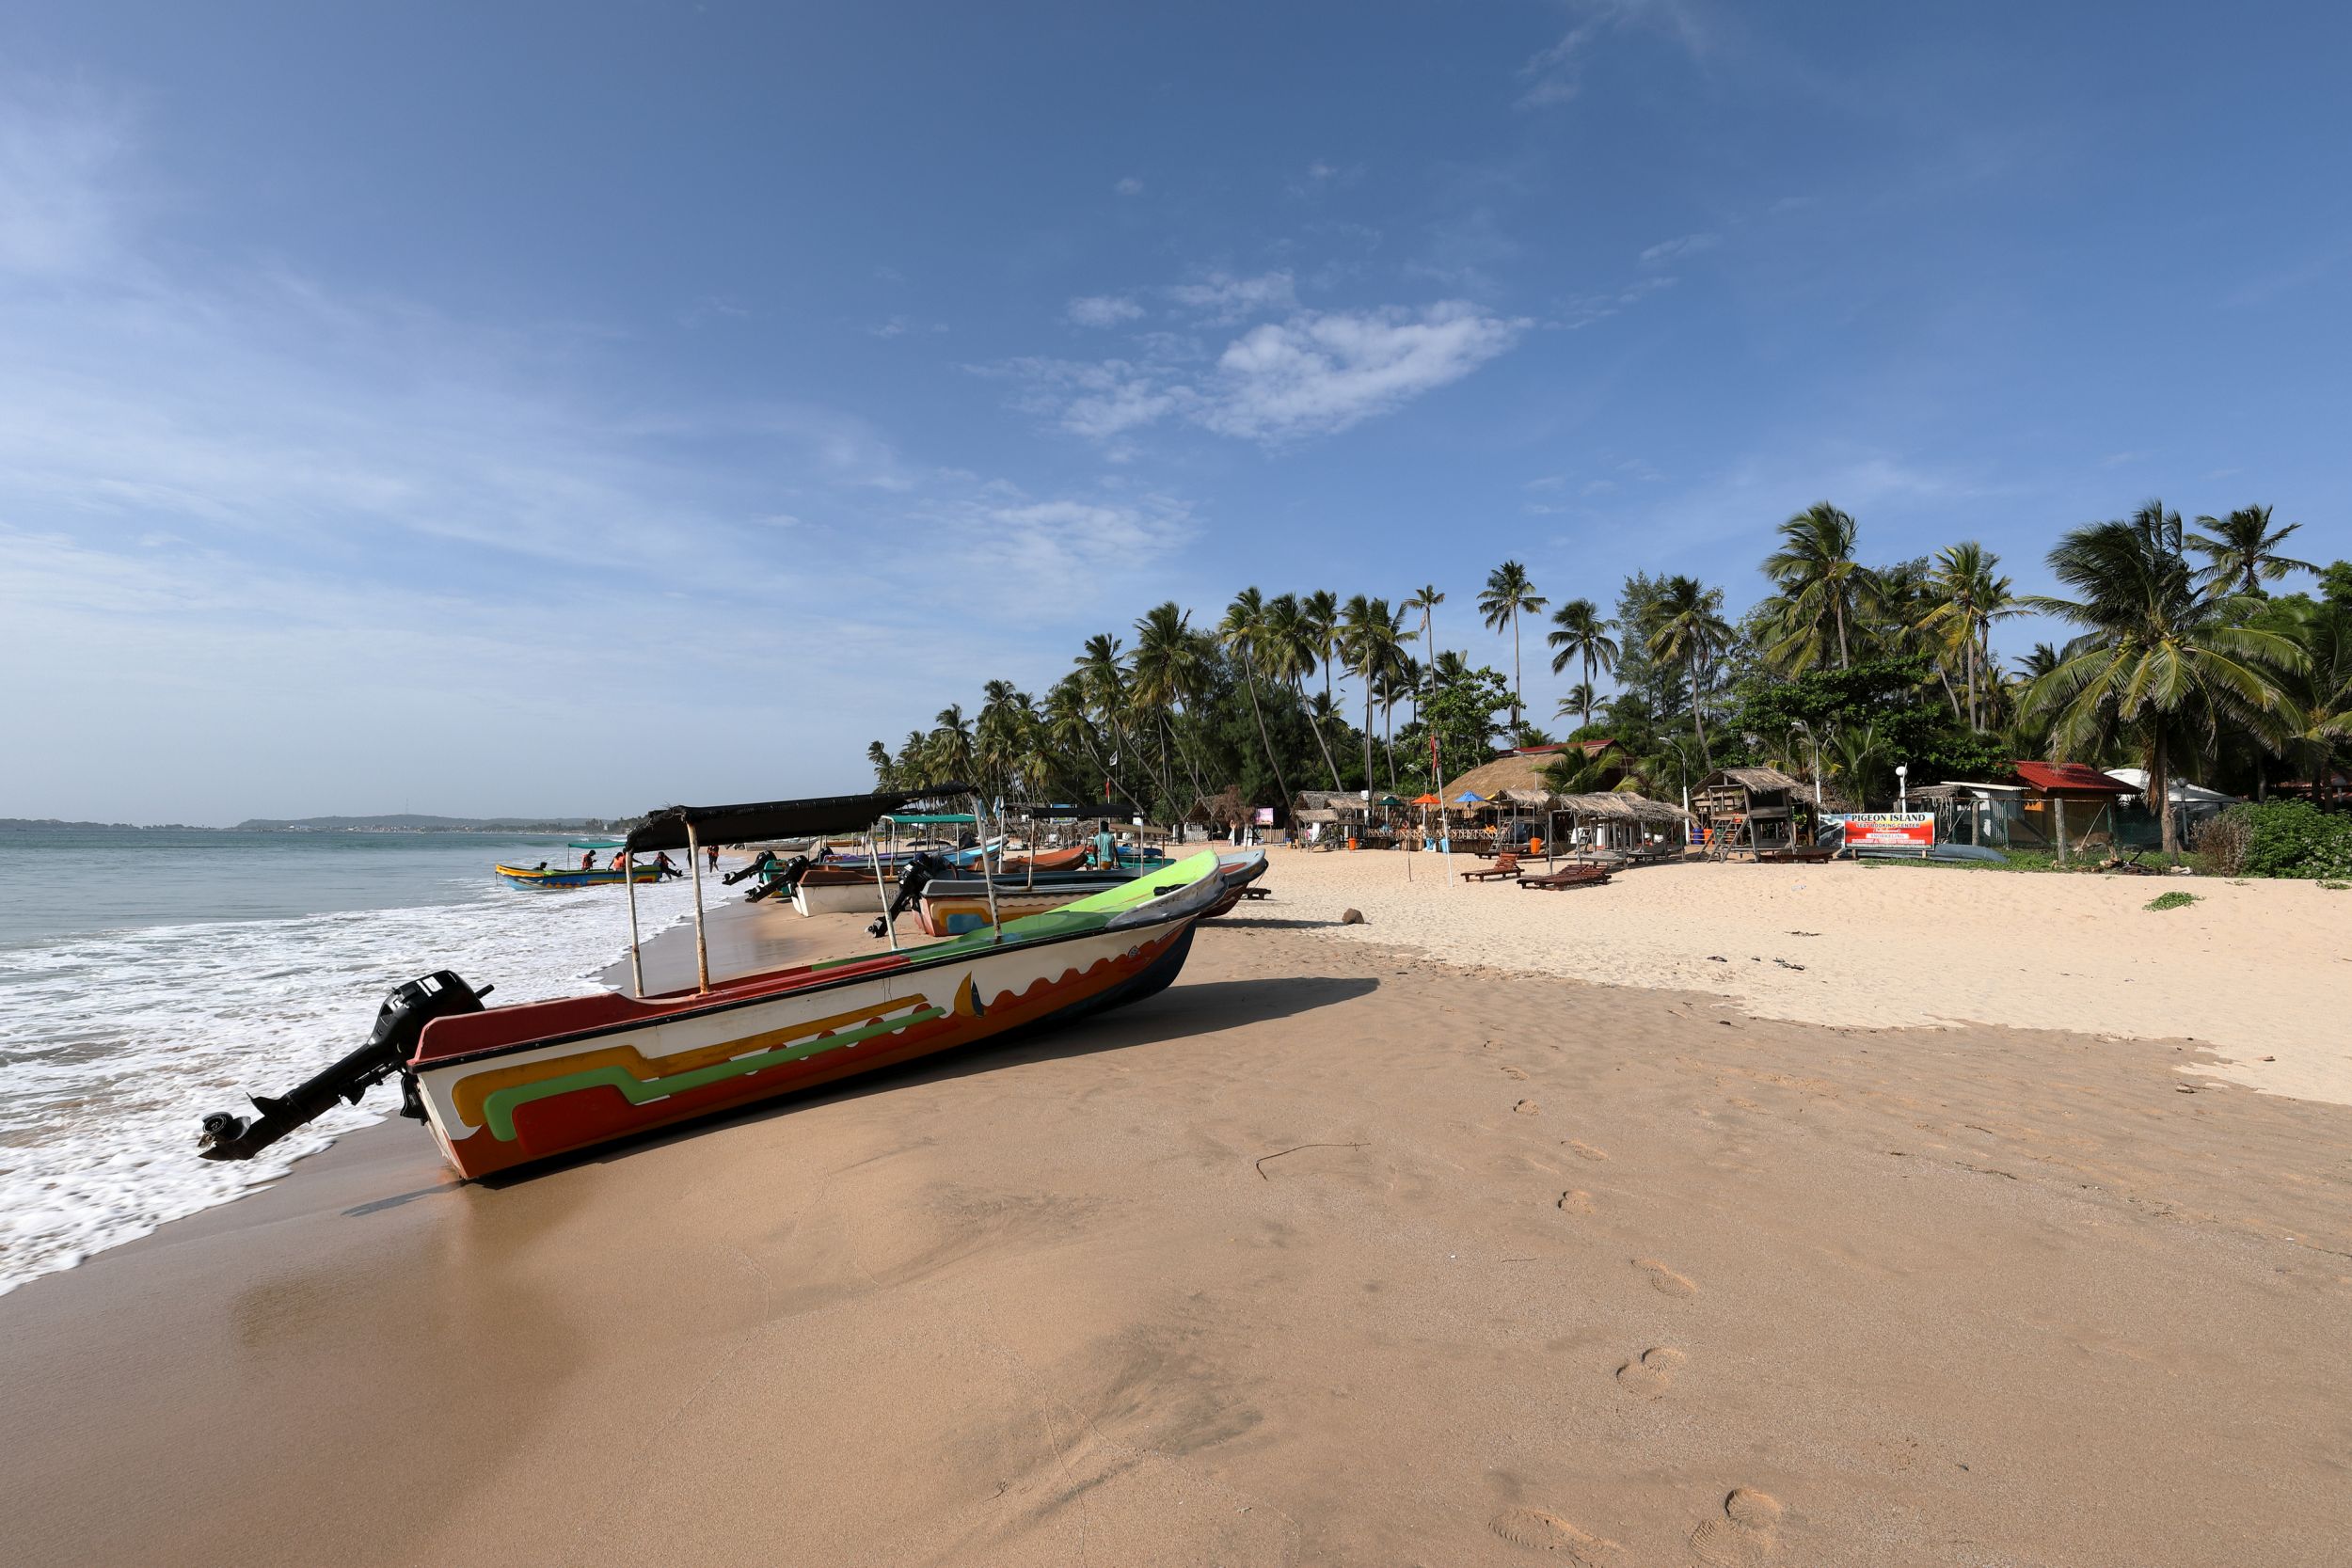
x: 652, y: 404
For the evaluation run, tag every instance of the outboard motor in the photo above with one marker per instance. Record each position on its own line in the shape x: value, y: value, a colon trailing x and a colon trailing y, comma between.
x: 399, y: 1024
x: 912, y: 881
x: 787, y: 878
x: 767, y: 858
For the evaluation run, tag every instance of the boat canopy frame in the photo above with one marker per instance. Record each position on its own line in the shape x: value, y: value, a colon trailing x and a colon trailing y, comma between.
x: 671, y: 826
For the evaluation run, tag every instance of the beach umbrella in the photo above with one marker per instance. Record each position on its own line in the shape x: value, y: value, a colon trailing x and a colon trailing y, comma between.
x: 1428, y: 800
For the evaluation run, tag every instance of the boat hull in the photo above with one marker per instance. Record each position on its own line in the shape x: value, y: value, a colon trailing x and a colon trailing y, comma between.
x: 556, y: 879
x: 823, y: 892
x: 494, y: 1110
x: 952, y: 907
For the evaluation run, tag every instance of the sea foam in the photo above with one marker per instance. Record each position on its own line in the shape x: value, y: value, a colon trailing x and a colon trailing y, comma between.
x: 114, y: 1044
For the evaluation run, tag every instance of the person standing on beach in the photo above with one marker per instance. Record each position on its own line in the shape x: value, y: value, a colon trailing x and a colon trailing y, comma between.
x: 1106, y: 846
x: 713, y: 852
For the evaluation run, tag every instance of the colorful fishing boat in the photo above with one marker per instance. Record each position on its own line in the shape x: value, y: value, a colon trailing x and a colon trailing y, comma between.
x: 503, y: 1087
x: 946, y: 904
x: 545, y: 878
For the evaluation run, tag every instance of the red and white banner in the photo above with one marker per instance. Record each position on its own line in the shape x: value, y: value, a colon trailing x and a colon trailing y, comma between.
x: 1889, y: 829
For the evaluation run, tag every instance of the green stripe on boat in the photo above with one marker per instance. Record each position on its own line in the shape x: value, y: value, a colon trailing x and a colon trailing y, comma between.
x: 498, y: 1109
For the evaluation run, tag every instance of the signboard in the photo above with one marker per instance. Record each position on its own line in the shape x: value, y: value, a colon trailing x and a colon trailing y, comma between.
x: 1889, y: 829
x: 1264, y: 817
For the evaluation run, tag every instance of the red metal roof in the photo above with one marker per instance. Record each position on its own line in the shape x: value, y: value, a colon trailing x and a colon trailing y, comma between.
x: 2079, y: 776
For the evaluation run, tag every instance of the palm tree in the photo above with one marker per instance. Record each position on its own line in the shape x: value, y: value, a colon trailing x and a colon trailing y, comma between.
x: 2244, y: 549
x: 1691, y: 632
x: 2158, y: 662
x: 1426, y: 599
x: 1400, y: 683
x: 950, y: 745
x: 1508, y: 595
x: 1371, y: 638
x: 1582, y: 633
x: 1819, y: 581
x: 1862, y: 760
x: 1967, y: 597
x: 1577, y: 704
x: 1166, y: 671
x: 1291, y: 649
x: 878, y: 756
x: 1240, y: 634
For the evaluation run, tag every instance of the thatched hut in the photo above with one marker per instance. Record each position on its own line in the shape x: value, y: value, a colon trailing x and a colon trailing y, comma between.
x: 1748, y: 808
x: 1622, y: 821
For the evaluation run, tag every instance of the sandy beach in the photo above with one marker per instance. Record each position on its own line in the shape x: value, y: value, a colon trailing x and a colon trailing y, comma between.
x: 2256, y: 973
x: 1505, y: 1227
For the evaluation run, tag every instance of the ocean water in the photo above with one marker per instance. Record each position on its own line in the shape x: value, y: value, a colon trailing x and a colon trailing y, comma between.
x: 149, y: 977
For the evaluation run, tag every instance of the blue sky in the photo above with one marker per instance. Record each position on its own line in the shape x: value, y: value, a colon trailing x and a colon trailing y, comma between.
x: 578, y: 407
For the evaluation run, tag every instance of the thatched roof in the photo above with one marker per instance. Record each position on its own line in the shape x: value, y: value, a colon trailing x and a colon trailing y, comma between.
x: 1491, y: 778
x: 1770, y: 780
x: 1624, y: 805
x: 1316, y: 814
x: 1346, y: 802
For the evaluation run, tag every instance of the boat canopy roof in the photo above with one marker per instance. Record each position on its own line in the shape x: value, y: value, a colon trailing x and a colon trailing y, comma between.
x: 666, y: 829
x: 929, y: 819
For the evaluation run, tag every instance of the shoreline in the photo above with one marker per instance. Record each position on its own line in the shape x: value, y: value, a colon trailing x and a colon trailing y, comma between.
x: 1333, y: 1252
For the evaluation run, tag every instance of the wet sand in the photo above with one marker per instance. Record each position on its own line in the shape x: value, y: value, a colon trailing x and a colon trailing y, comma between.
x: 1331, y: 1254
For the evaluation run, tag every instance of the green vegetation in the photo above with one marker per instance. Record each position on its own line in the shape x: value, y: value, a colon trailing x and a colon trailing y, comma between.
x: 2176, y: 899
x: 2188, y: 659
x: 2290, y: 838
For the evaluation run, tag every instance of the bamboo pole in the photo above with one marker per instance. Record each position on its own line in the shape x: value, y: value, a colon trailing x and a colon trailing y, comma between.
x: 702, y: 942
x: 628, y: 886
x: 873, y: 853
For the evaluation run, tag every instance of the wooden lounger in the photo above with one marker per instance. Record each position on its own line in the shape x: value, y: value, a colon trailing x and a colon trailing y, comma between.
x: 1569, y: 876
x: 1506, y: 865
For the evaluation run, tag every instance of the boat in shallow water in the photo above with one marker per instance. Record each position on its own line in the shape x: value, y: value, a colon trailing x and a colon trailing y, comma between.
x: 503, y: 1087
x: 546, y: 878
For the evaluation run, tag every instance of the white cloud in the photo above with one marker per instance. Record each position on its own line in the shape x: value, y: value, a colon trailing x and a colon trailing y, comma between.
x: 1557, y: 75
x: 1223, y: 298
x: 1314, y: 373
x: 1129, y: 186
x: 900, y: 326
x: 1318, y: 373
x: 1686, y: 244
x: 1101, y: 311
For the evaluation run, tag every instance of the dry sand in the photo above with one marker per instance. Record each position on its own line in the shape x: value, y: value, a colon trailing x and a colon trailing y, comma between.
x: 1331, y: 1254
x: 2252, y: 970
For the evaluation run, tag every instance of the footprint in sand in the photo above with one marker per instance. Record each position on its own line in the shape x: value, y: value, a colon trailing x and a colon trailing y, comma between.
x: 1526, y: 1107
x: 1652, y: 1372
x: 1746, y: 1534
x: 1664, y: 1279
x: 1540, y: 1531
x: 1514, y: 1072
x: 1576, y: 1200
x: 1586, y: 1151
